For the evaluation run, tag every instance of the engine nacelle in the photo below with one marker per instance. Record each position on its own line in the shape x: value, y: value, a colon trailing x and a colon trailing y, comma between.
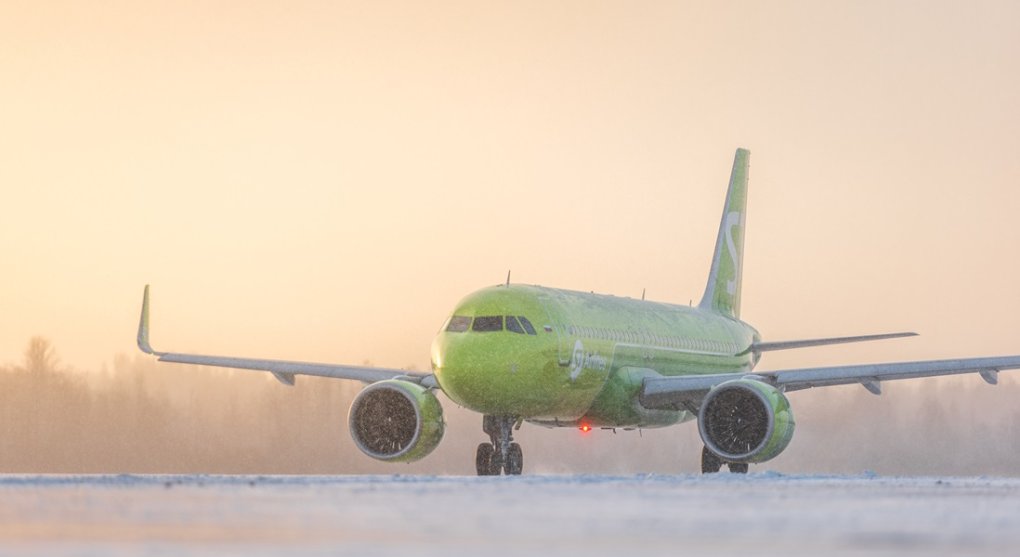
x: 396, y: 421
x: 745, y: 420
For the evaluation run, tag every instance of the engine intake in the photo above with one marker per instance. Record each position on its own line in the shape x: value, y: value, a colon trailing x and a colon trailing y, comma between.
x: 396, y: 421
x: 745, y: 420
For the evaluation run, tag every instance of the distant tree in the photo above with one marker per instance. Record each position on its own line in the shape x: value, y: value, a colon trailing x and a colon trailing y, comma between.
x: 40, y: 356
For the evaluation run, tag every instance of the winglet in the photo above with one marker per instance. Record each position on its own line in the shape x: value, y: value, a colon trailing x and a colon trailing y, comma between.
x: 143, y: 326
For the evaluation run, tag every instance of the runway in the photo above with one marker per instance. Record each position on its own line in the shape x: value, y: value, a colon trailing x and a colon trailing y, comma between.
x: 763, y: 514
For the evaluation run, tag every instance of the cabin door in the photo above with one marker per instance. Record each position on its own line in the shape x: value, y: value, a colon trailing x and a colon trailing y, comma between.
x: 556, y: 324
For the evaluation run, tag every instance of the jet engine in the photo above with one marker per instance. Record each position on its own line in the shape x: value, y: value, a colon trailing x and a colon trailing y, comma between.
x: 396, y: 421
x: 746, y: 420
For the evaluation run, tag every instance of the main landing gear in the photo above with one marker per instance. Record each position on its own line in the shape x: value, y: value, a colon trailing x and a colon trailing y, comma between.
x: 711, y: 464
x: 500, y: 454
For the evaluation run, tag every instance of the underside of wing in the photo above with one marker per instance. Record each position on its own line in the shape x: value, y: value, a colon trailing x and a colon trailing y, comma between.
x: 805, y: 378
x: 687, y: 391
x: 286, y: 370
x: 681, y: 392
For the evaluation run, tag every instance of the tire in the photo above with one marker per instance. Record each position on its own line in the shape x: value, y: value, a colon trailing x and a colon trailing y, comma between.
x: 710, y: 464
x: 738, y: 467
x: 515, y: 461
x: 484, y: 458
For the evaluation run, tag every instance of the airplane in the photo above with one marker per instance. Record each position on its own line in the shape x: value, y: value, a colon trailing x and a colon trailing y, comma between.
x: 559, y: 358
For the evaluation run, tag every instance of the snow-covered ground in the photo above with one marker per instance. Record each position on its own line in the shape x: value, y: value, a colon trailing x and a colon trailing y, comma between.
x: 761, y: 514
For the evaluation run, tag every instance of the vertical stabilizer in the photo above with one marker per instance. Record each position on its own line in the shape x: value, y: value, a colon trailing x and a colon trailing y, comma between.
x: 722, y: 293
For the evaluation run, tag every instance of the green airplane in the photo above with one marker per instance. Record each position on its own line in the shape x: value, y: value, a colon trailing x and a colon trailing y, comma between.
x: 560, y: 358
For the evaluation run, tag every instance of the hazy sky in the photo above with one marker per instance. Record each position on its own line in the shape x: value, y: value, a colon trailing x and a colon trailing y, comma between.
x: 324, y: 180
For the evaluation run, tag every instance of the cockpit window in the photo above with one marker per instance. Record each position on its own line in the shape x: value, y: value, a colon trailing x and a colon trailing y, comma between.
x: 513, y: 325
x: 458, y: 324
x: 488, y: 323
x: 527, y: 325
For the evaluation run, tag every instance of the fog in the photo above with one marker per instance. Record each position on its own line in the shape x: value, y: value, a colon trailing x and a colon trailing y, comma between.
x: 140, y: 416
x: 324, y: 180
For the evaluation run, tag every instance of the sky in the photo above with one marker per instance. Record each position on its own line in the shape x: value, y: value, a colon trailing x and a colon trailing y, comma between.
x: 323, y: 181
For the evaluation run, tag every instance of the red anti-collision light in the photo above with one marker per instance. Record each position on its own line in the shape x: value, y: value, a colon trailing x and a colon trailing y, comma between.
x: 585, y: 428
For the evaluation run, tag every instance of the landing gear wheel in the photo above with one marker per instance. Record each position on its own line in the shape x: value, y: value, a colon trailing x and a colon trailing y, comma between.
x: 738, y: 467
x: 484, y: 458
x: 500, y: 454
x: 710, y: 464
x: 496, y: 464
x: 514, y: 464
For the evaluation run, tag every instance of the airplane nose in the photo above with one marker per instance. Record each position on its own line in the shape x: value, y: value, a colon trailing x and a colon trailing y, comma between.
x: 460, y: 371
x: 507, y: 375
x: 477, y: 373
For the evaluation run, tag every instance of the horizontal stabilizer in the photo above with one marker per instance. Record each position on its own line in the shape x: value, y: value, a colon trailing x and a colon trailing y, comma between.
x: 759, y: 347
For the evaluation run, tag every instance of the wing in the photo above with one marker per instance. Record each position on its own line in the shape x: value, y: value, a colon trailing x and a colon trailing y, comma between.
x: 687, y: 391
x: 282, y: 370
x: 759, y: 347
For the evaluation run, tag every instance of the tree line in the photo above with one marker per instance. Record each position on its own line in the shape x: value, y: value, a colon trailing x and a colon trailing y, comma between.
x: 139, y: 416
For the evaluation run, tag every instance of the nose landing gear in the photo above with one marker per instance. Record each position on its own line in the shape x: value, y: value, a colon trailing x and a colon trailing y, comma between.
x: 500, y: 454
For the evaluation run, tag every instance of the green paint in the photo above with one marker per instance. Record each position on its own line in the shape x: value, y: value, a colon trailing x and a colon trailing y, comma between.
x: 781, y: 429
x: 588, y: 357
x: 617, y: 405
x: 592, y: 351
x: 722, y: 293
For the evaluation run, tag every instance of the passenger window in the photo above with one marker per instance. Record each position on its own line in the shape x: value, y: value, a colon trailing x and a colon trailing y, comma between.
x: 458, y: 324
x: 513, y: 325
x: 527, y: 325
x: 488, y: 323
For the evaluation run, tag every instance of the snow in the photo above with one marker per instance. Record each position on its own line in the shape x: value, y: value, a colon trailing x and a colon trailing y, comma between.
x: 764, y: 513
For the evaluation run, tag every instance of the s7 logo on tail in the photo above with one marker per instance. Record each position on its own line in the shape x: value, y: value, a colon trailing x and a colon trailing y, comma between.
x: 732, y: 220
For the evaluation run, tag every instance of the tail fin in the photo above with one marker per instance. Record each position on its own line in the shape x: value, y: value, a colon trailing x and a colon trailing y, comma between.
x: 722, y: 293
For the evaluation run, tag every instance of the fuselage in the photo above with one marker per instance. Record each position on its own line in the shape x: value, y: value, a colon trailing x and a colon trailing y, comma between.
x: 559, y: 357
